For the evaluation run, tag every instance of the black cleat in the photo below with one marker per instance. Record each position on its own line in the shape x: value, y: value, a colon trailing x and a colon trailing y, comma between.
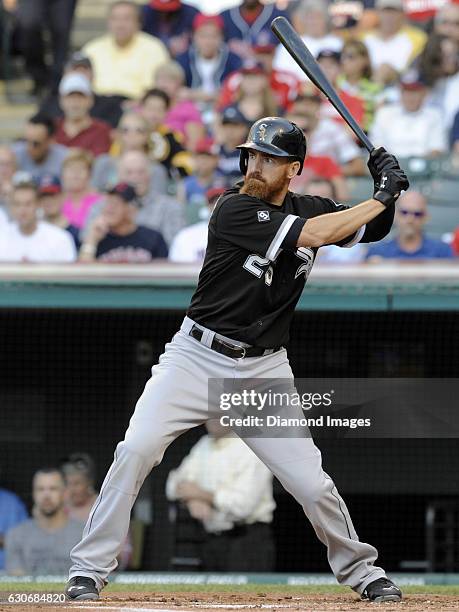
x: 81, y: 588
x: 382, y: 590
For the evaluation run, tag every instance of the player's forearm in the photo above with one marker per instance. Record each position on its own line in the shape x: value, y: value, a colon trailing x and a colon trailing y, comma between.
x: 333, y: 227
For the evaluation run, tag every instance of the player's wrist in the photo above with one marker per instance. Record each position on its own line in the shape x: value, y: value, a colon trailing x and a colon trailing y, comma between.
x: 384, y: 197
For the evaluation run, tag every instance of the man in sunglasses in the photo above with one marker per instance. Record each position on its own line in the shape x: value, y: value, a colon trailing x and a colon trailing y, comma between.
x: 38, y: 154
x: 410, y: 241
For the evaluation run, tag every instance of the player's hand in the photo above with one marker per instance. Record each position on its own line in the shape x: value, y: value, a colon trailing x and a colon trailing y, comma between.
x: 391, y: 184
x: 199, y: 510
x: 380, y: 161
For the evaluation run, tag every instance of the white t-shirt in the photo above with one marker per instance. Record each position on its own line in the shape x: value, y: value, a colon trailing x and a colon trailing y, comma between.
x: 332, y: 139
x: 283, y: 60
x: 48, y: 244
x: 189, y: 246
x: 3, y: 218
x: 395, y: 51
x: 206, y: 69
x: 409, y: 134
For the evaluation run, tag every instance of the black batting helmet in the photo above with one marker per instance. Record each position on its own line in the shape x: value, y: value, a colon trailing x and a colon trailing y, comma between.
x: 275, y: 136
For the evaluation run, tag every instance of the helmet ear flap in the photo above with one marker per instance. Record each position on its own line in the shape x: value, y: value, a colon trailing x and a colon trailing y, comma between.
x: 243, y: 161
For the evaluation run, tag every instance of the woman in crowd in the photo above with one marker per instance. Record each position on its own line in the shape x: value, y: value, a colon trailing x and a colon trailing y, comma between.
x: 255, y: 98
x: 78, y: 194
x: 132, y: 134
x: 355, y: 78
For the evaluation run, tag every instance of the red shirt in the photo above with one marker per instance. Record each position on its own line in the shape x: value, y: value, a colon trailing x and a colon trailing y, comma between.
x: 284, y: 85
x: 316, y: 166
x: 354, y: 104
x: 455, y: 243
x: 95, y: 138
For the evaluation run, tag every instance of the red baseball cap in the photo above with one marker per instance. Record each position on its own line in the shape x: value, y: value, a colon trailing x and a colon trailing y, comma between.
x: 166, y: 5
x: 201, y: 20
x: 206, y: 146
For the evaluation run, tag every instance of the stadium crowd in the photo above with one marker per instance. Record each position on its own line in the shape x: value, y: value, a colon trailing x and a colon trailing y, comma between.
x: 134, y: 135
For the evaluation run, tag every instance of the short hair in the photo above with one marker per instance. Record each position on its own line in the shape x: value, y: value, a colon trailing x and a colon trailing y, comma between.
x: 79, y: 155
x: 157, y: 93
x: 23, y: 182
x: 130, y: 3
x: 171, y: 68
x: 80, y: 463
x: 49, y: 469
x: 45, y: 120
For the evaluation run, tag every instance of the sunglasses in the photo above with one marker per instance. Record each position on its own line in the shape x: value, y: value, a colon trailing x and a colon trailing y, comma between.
x: 415, y: 213
x: 137, y: 130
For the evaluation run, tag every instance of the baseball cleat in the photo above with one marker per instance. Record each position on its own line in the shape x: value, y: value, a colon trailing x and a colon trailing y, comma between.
x: 382, y: 590
x: 81, y: 588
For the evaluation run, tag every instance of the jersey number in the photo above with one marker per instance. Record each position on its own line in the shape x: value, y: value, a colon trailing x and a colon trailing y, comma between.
x: 256, y: 266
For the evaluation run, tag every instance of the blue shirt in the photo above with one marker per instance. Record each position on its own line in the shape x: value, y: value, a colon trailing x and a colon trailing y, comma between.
x: 430, y: 249
x: 259, y: 32
x: 142, y: 246
x: 165, y: 26
x: 12, y: 512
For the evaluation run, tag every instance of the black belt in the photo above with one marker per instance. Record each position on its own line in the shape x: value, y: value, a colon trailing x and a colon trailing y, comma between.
x: 232, y: 350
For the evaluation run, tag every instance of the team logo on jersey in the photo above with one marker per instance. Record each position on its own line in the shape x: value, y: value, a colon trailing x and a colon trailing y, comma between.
x: 263, y: 215
x: 307, y: 255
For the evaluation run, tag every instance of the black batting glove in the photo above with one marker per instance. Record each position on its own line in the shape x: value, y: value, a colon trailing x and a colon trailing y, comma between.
x: 391, y: 184
x: 378, y: 162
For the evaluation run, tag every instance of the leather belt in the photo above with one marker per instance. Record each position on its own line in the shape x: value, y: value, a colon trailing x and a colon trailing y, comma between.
x: 232, y: 350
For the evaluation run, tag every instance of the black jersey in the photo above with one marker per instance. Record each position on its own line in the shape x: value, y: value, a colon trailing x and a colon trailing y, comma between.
x: 253, y: 272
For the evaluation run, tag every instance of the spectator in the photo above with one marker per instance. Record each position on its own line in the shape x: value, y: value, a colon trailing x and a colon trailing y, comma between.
x: 50, y: 194
x: 282, y: 83
x: 327, y: 138
x: 8, y: 167
x: 410, y: 241
x: 124, y: 60
x: 77, y: 128
x: 455, y: 136
x: 80, y: 477
x: 356, y: 78
x: 410, y: 128
x: 249, y: 24
x: 79, y: 196
x: 393, y: 44
x: 39, y: 154
x: 189, y: 245
x: 27, y: 239
x: 205, y: 175
x: 330, y: 62
x: 331, y: 253
x: 171, y: 21
x: 231, y: 131
x: 455, y: 242
x: 254, y: 97
x: 155, y: 211
x: 183, y: 115
x: 42, y: 545
x: 166, y: 146
x: 446, y: 21
x: 105, y: 108
x: 312, y: 22
x: 229, y: 491
x: 208, y: 61
x: 115, y: 237
x: 12, y: 513
x: 56, y: 16
x: 132, y: 134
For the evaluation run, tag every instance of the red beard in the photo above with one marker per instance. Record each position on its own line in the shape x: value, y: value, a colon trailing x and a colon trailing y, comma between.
x: 257, y: 187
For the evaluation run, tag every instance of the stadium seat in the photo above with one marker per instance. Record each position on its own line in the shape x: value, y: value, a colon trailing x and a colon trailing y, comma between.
x: 443, y: 218
x: 443, y: 191
x: 360, y: 189
x: 418, y: 167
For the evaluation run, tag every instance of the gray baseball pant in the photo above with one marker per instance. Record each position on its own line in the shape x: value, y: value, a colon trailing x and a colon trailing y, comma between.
x: 174, y: 400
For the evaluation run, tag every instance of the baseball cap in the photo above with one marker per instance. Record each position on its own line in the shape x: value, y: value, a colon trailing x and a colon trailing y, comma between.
x: 201, y: 20
x: 232, y: 114
x: 79, y: 59
x: 75, y: 82
x: 412, y: 80
x: 389, y: 4
x: 49, y: 185
x: 125, y: 191
x: 329, y: 53
x: 166, y: 5
x: 206, y: 146
x: 252, y: 67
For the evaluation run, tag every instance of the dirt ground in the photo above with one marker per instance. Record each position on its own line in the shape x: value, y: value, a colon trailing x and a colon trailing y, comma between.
x: 206, y: 602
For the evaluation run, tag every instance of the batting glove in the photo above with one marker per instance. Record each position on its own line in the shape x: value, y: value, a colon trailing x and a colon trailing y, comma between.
x: 391, y: 184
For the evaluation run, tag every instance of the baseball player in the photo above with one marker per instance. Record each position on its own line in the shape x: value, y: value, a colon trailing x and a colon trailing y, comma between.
x: 262, y: 243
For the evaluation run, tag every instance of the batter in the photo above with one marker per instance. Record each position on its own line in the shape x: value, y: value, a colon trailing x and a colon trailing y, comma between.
x: 262, y: 244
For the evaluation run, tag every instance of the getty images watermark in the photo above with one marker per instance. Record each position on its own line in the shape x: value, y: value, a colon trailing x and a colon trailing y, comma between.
x: 331, y: 408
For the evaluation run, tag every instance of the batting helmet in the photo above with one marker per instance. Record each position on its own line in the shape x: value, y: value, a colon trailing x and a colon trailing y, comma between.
x: 275, y: 136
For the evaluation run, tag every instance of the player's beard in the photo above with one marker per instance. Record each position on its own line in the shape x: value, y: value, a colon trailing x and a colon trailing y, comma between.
x: 257, y: 187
